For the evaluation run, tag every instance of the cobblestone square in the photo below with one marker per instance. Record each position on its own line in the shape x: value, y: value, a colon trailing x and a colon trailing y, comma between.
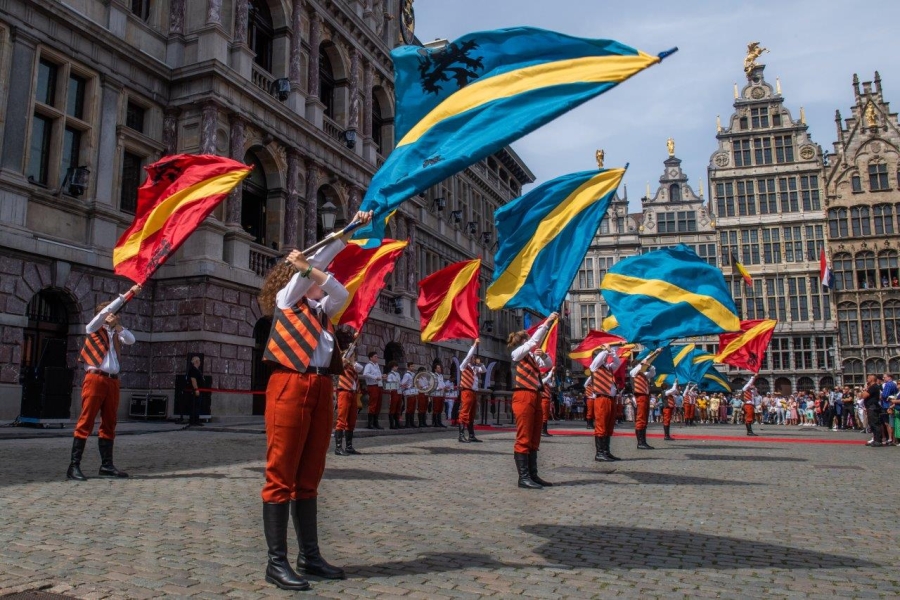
x: 423, y: 516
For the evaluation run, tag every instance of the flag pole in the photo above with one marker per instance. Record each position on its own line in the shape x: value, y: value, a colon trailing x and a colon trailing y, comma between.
x: 331, y: 237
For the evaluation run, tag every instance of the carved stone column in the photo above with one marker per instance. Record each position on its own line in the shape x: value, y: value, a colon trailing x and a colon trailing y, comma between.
x: 170, y: 131
x: 412, y: 251
x: 241, y: 20
x: 176, y: 17
x: 315, y: 38
x: 213, y: 12
x: 295, y: 72
x: 312, y: 206
x: 368, y: 85
x: 353, y: 121
x: 209, y: 128
x: 236, y: 151
x: 291, y: 208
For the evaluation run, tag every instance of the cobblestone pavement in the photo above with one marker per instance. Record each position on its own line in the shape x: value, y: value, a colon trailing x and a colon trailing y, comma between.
x: 422, y: 516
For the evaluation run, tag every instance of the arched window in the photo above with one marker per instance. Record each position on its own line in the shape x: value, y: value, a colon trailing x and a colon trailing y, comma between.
x: 326, y: 79
x: 843, y: 272
x: 865, y: 270
x: 870, y: 318
x: 894, y: 366
x: 783, y: 386
x: 253, y: 200
x: 884, y: 219
x: 260, y: 33
x: 855, y: 184
x: 762, y: 385
x: 848, y: 326
x: 837, y: 222
x: 377, y: 124
x: 826, y: 382
x: 675, y: 193
x: 806, y: 384
x: 141, y: 9
x: 875, y: 366
x: 860, y: 222
x: 888, y: 274
x: 853, y: 372
x: 891, y: 311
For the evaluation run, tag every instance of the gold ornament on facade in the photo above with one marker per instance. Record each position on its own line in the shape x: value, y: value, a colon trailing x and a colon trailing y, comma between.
x: 670, y: 146
x: 599, y: 156
x: 754, y: 51
x: 870, y: 117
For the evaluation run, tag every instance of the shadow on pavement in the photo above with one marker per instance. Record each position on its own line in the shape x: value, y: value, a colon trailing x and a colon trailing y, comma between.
x: 454, y: 450
x: 360, y: 474
x: 722, y: 447
x: 612, y: 547
x: 190, y: 476
x: 741, y: 457
x: 671, y: 479
x: 432, y: 562
x: 580, y: 482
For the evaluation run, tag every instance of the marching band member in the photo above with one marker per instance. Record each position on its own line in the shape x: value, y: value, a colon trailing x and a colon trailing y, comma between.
x: 589, y: 403
x: 374, y: 380
x: 669, y: 409
x: 422, y: 403
x: 690, y: 405
x: 409, y: 392
x: 528, y: 358
x: 393, y: 388
x: 641, y: 375
x: 437, y: 396
x: 546, y: 401
x: 100, y: 390
x: 749, y: 408
x: 603, y: 383
x: 469, y: 371
x: 305, y: 354
x: 348, y: 384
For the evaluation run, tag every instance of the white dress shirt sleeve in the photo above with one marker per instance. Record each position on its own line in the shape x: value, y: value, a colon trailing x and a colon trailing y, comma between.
x: 468, y: 358
x: 599, y: 360
x: 520, y: 352
x: 98, y: 320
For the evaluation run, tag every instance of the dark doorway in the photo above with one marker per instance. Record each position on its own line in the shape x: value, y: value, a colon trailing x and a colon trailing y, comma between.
x: 46, y: 379
x: 260, y: 371
x: 253, y: 200
x: 393, y: 351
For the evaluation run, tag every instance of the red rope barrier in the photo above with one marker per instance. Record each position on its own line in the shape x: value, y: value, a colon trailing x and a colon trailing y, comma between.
x: 227, y: 391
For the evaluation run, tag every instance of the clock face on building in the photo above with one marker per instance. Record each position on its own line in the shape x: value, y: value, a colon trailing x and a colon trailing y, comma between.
x: 721, y: 159
x: 807, y: 153
x: 407, y: 21
x: 757, y: 93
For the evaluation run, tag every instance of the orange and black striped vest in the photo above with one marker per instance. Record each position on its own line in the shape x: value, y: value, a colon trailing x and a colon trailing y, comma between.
x: 641, y: 385
x: 546, y: 394
x: 294, y: 337
x: 349, y: 379
x: 96, y: 345
x: 467, y: 378
x: 527, y: 375
x: 602, y: 381
x: 589, y: 389
x: 748, y: 396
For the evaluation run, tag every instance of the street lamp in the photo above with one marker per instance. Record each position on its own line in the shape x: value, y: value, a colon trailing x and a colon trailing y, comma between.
x: 328, y: 214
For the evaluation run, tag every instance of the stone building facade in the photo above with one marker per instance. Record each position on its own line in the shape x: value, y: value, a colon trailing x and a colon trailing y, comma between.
x: 93, y: 90
x: 862, y: 183
x: 767, y: 187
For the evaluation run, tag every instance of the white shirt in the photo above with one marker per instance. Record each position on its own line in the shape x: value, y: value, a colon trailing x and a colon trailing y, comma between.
x: 394, y: 377
x: 335, y: 297
x: 650, y: 373
x: 548, y: 379
x: 478, y: 370
x: 372, y: 373
x: 672, y: 390
x: 749, y: 383
x: 538, y: 337
x: 601, y: 362
x: 110, y: 362
x: 406, y: 384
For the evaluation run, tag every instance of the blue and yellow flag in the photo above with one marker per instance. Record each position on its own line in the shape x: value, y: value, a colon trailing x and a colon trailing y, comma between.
x: 714, y: 381
x: 544, y: 236
x: 690, y: 364
x: 669, y: 294
x: 664, y: 362
x: 467, y: 100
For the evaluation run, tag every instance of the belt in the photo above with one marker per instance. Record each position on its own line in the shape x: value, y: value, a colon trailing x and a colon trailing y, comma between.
x: 102, y: 373
x: 318, y: 371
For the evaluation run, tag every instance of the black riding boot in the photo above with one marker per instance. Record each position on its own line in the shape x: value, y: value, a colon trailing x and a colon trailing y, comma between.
x: 472, y: 437
x: 525, y: 480
x: 544, y: 432
x: 278, y: 569
x: 608, y: 451
x: 588, y: 423
x: 422, y: 420
x: 375, y: 423
x: 74, y: 471
x: 532, y: 470
x: 310, y: 559
x: 642, y: 440
x: 601, y: 455
x: 107, y: 468
x: 750, y: 430
x: 392, y: 423
x: 440, y: 420
x: 369, y: 419
x: 338, y: 436
x: 410, y: 423
x: 349, y: 449
x: 667, y: 436
x: 462, y: 434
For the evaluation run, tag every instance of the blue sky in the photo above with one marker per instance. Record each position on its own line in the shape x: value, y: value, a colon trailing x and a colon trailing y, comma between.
x: 681, y: 97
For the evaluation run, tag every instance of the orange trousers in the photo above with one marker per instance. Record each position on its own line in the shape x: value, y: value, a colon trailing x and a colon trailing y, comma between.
x: 374, y: 399
x: 467, y: 406
x: 641, y: 412
x: 604, y: 416
x: 346, y: 410
x: 437, y: 405
x: 411, y: 403
x: 589, y: 409
x: 689, y: 410
x: 98, y: 394
x: 526, y: 407
x: 749, y: 413
x: 396, y: 403
x: 545, y: 410
x: 298, y: 433
x: 667, y: 412
x: 421, y: 404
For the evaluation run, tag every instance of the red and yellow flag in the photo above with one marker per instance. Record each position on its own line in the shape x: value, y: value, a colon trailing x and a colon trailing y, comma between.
x: 739, y: 267
x: 180, y: 191
x: 584, y: 352
x: 448, y: 302
x: 548, y: 345
x: 363, y: 271
x: 746, y: 348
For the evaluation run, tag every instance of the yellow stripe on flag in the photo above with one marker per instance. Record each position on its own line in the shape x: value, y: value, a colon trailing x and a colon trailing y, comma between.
x: 354, y: 282
x: 220, y: 184
x: 516, y: 273
x: 752, y: 333
x: 708, y: 306
x: 589, y: 69
x: 609, y: 323
x: 682, y: 353
x: 718, y: 380
x: 439, y: 318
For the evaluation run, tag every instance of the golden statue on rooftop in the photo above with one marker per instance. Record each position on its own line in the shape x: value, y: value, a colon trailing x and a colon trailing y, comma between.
x: 754, y: 51
x: 599, y: 156
x: 670, y: 145
x: 870, y: 116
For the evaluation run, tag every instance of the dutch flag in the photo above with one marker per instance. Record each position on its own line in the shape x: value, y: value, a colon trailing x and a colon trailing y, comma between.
x: 825, y: 271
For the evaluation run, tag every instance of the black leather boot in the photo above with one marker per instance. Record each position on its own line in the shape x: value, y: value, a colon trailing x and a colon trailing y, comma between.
x: 608, y: 451
x: 667, y: 436
x: 375, y: 423
x: 532, y: 470
x: 472, y: 437
x: 642, y: 440
x: 391, y: 424
x: 349, y: 449
x: 339, y: 442
x: 544, y: 432
x: 369, y: 420
x: 462, y: 434
x: 601, y: 455
x: 750, y: 430
x: 74, y: 471
x: 525, y: 480
x: 107, y: 468
x: 588, y: 423
x: 422, y: 420
x: 278, y: 569
x: 440, y: 420
x: 310, y: 559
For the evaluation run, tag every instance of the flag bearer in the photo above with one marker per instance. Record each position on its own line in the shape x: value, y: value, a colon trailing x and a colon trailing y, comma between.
x: 469, y: 371
x: 603, y: 383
